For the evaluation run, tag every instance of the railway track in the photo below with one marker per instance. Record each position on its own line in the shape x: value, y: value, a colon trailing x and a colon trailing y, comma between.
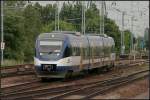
x: 15, y: 70
x: 22, y: 87
x: 28, y: 69
x: 88, y: 92
x: 91, y: 88
x: 32, y: 89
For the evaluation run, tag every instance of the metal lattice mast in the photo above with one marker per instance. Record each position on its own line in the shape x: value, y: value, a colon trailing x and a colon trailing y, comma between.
x: 122, y: 34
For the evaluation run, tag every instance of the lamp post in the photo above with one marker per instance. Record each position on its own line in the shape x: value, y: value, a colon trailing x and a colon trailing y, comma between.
x: 2, y: 34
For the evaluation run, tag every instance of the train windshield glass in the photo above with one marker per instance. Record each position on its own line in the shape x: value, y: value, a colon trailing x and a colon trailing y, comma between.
x: 50, y: 49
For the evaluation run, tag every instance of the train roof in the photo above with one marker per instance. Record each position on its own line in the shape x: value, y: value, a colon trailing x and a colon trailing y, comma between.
x: 63, y: 34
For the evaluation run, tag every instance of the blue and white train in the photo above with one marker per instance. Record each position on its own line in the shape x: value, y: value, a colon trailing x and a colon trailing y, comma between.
x: 60, y: 53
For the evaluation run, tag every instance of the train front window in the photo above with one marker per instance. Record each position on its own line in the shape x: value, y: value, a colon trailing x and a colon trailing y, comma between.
x: 50, y: 49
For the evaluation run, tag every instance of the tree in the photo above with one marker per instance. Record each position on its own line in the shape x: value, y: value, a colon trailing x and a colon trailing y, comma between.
x: 127, y: 40
x: 72, y: 14
x: 13, y: 30
x: 32, y: 25
x: 111, y: 29
x: 92, y: 19
x: 48, y: 13
x: 64, y: 26
x: 22, y: 26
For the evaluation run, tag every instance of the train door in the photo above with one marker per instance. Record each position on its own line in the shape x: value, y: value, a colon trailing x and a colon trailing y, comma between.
x: 100, y: 47
x: 92, y: 53
x: 81, y: 56
x: 88, y: 51
x: 103, y: 50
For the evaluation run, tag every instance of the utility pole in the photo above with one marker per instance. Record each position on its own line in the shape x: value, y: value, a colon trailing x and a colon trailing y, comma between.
x: 2, y: 34
x: 102, y: 17
x: 58, y: 14
x: 101, y: 12
x: 83, y: 18
x: 122, y: 34
x: 131, y: 46
x: 132, y: 19
x: 55, y: 14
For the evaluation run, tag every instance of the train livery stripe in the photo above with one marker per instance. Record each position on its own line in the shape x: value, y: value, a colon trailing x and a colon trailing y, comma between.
x: 70, y: 61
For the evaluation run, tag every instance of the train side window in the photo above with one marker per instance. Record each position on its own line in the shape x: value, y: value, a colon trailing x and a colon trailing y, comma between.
x: 73, y: 51
x: 67, y: 52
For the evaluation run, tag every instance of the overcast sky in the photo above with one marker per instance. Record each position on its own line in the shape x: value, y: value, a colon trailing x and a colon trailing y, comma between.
x: 140, y: 10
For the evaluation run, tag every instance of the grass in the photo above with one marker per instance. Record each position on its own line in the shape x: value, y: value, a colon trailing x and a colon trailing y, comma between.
x: 13, y: 62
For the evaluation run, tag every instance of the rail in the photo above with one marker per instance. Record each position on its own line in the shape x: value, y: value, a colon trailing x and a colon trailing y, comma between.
x: 67, y: 90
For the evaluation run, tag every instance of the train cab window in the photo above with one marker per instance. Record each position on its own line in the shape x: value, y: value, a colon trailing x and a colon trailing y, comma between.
x: 67, y: 52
